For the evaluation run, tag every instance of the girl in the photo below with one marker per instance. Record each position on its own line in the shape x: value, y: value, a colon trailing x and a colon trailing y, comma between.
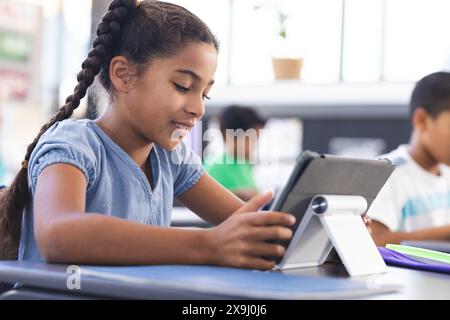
x: 101, y: 192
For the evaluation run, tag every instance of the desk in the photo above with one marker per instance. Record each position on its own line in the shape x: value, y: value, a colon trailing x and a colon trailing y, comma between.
x: 48, y: 281
x: 420, y: 285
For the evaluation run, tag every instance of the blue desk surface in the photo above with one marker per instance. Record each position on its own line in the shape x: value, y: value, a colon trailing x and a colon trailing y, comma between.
x: 240, y: 283
x: 191, y: 282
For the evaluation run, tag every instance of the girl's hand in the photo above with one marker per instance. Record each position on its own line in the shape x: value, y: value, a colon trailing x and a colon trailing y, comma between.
x: 241, y: 240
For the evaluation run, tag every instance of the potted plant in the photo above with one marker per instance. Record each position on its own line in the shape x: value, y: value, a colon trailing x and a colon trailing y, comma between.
x: 284, y: 64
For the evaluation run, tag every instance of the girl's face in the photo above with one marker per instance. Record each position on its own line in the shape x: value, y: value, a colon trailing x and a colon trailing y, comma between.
x: 167, y: 100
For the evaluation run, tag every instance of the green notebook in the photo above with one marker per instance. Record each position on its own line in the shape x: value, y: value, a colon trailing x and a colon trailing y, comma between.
x: 421, y: 253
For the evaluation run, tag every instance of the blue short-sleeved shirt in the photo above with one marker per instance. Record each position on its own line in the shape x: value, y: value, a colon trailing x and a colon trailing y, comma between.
x: 116, y: 186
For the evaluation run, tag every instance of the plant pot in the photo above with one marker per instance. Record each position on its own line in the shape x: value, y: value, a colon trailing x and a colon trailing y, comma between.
x: 287, y: 68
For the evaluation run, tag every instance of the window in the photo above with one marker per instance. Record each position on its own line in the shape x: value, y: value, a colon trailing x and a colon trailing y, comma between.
x: 312, y: 33
x: 362, y: 40
x: 339, y: 40
x: 417, y: 38
x: 216, y: 14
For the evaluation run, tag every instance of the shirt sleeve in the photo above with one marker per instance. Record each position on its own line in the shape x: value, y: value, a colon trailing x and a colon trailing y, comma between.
x: 62, y: 146
x: 386, y: 208
x: 187, y: 167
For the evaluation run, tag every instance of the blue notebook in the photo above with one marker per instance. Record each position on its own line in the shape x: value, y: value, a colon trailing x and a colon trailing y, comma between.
x: 238, y: 283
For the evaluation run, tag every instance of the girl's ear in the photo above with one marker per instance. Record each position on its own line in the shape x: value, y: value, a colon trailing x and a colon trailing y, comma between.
x: 120, y: 73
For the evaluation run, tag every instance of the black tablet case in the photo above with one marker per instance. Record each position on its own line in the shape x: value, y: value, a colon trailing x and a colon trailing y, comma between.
x: 325, y: 174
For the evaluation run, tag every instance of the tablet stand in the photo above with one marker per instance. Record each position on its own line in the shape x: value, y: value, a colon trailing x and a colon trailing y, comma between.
x: 334, y: 220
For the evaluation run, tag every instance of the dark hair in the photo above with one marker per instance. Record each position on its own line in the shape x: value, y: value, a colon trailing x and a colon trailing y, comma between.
x: 240, y: 117
x: 139, y: 31
x: 432, y: 93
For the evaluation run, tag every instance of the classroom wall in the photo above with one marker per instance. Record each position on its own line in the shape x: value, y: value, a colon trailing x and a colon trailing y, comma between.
x: 317, y: 133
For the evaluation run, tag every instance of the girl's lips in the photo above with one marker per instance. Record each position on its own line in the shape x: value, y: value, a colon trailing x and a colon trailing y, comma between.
x: 181, y: 129
x: 180, y: 125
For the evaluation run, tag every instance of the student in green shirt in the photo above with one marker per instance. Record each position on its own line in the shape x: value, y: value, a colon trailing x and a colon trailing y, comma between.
x: 240, y: 127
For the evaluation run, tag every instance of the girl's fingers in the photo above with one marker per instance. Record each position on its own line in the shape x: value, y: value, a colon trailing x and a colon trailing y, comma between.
x: 256, y: 202
x: 261, y: 249
x: 270, y: 218
x: 269, y: 233
x: 257, y: 263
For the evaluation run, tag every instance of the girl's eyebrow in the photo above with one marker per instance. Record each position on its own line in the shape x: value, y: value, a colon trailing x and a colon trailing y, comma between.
x: 195, y: 76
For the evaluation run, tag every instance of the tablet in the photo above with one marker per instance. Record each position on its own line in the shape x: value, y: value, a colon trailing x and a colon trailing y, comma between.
x: 316, y: 174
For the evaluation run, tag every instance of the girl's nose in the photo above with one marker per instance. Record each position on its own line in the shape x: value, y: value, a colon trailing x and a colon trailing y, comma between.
x: 196, y: 108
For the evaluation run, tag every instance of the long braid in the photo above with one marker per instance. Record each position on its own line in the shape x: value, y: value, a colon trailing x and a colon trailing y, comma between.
x: 14, y: 199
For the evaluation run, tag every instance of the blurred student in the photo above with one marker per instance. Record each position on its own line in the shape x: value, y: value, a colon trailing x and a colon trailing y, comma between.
x: 240, y: 127
x: 414, y: 204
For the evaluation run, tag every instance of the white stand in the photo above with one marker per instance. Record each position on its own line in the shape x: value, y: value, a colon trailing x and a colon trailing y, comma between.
x: 334, y: 220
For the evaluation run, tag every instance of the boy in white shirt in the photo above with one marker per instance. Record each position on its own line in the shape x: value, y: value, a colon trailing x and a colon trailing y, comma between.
x: 414, y: 204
